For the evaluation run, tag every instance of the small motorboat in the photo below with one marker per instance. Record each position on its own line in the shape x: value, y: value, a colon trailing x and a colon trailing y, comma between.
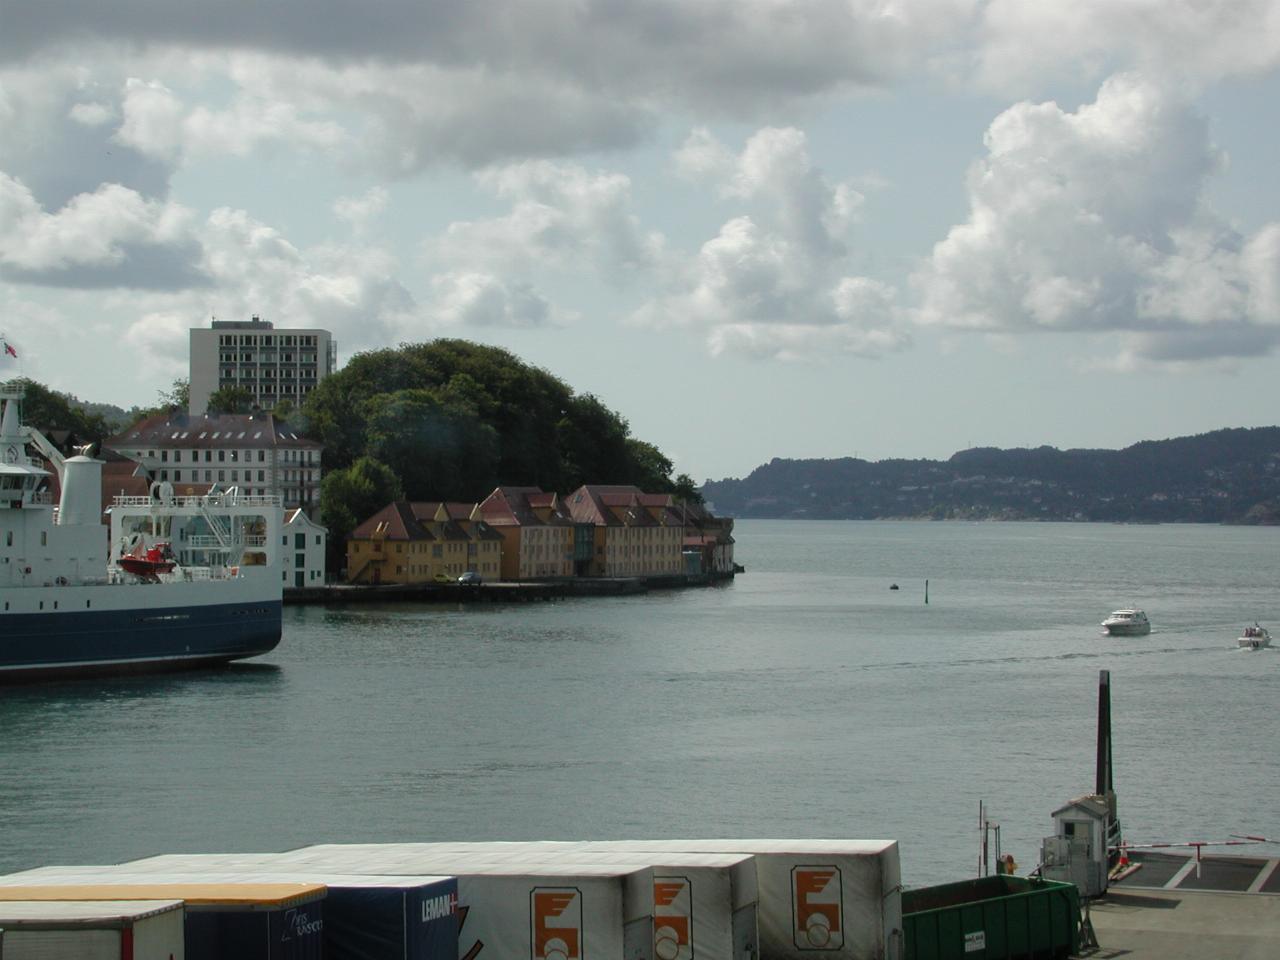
x: 1254, y: 638
x: 1130, y: 622
x: 150, y: 562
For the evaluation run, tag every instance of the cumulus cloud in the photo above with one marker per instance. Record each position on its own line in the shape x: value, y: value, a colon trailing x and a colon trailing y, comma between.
x: 59, y: 124
x: 252, y: 268
x: 774, y: 281
x: 111, y: 237
x: 484, y: 300
x: 560, y: 214
x: 1096, y: 220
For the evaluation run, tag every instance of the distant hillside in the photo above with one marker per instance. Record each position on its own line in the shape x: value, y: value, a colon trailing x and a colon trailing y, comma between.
x: 1227, y: 476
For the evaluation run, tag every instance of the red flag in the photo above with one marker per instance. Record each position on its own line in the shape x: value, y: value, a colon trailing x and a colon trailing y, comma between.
x: 10, y: 351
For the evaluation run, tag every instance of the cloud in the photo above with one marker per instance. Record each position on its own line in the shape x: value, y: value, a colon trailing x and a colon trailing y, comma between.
x: 561, y: 214
x: 774, y: 281
x: 111, y: 237
x: 1022, y: 43
x: 484, y: 300
x: 1096, y: 220
x: 252, y: 268
x: 59, y: 136
x: 717, y: 52
x: 358, y: 211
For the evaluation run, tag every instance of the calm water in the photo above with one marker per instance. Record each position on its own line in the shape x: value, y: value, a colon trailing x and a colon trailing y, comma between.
x: 805, y: 699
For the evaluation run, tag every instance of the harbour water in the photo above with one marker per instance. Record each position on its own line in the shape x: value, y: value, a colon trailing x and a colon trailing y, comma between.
x: 804, y: 699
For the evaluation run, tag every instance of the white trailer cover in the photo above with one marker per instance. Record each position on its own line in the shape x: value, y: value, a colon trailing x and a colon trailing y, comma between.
x: 703, y: 905
x: 677, y: 906
x: 510, y: 911
x: 92, y: 929
x: 378, y: 915
x: 819, y: 899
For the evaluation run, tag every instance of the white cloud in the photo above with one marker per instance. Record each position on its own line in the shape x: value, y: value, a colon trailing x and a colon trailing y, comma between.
x: 561, y: 213
x: 152, y: 120
x: 254, y: 269
x: 1022, y: 43
x: 358, y: 211
x: 1095, y: 220
x: 112, y: 237
x: 774, y: 282
x: 92, y: 114
x: 484, y: 300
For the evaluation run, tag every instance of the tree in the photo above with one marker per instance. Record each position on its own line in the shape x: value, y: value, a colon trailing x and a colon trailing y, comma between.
x: 230, y: 400
x: 652, y: 470
x: 48, y: 410
x: 686, y: 491
x: 439, y: 450
x: 177, y: 397
x: 453, y: 419
x: 350, y: 496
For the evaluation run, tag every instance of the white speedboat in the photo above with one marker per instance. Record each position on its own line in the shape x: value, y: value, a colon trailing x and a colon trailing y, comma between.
x: 1127, y: 623
x: 1254, y: 638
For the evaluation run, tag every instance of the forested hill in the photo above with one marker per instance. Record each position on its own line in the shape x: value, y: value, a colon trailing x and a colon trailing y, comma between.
x: 1227, y: 476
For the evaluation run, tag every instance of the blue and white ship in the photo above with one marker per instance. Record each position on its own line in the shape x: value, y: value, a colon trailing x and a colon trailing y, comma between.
x: 72, y: 598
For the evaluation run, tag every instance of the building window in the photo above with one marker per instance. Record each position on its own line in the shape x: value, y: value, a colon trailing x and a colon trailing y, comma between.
x: 222, y: 456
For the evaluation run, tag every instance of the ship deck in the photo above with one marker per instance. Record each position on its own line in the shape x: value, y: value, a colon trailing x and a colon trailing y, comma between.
x: 1166, y: 909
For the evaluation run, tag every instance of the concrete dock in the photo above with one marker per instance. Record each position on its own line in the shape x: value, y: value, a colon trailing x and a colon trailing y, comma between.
x: 1166, y: 909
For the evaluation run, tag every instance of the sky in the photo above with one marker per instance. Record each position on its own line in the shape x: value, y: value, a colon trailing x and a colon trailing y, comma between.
x: 754, y: 228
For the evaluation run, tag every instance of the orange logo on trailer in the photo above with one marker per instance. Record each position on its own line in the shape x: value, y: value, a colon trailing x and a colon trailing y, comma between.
x: 672, y: 918
x: 555, y: 914
x: 816, y: 899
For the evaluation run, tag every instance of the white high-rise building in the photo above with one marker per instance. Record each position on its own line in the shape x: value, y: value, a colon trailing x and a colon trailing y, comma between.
x: 271, y: 364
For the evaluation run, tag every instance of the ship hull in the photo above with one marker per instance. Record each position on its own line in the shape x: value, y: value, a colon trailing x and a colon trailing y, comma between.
x: 96, y: 631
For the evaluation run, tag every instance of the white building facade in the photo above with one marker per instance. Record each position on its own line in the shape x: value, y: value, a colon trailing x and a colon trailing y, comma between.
x: 255, y: 453
x: 304, y: 542
x: 272, y: 365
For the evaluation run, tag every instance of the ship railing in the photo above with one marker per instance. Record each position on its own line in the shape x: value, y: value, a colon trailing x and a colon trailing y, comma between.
x: 213, y: 543
x: 42, y: 497
x: 257, y: 500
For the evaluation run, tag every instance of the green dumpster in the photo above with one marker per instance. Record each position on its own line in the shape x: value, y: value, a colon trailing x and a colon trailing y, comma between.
x: 992, y: 918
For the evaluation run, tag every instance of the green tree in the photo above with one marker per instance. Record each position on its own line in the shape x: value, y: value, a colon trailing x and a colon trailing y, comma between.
x: 652, y: 470
x: 48, y: 410
x: 454, y: 419
x: 439, y: 450
x: 177, y: 397
x: 350, y: 496
x: 687, y: 491
x: 230, y: 400
x: 593, y: 444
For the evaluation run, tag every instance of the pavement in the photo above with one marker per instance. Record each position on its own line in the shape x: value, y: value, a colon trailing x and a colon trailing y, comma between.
x: 1229, y: 909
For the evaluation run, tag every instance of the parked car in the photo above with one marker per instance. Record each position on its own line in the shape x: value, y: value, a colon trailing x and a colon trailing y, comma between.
x: 442, y: 578
x: 470, y: 577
